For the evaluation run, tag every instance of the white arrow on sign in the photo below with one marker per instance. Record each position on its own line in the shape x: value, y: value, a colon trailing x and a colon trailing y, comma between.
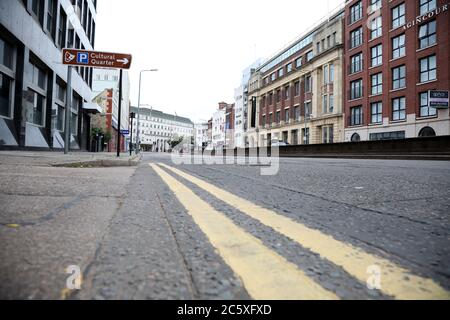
x: 124, y: 61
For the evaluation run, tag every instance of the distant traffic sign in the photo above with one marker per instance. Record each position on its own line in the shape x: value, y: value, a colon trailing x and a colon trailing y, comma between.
x: 438, y: 99
x: 96, y: 59
x: 125, y: 132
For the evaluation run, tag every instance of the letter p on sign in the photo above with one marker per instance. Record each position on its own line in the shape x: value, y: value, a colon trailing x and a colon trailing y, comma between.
x: 83, y: 57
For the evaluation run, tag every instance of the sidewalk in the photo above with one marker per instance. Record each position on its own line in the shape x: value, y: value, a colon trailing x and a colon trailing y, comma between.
x: 73, y: 159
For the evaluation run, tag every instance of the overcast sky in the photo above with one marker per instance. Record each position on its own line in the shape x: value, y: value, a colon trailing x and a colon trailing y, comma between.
x: 200, y: 47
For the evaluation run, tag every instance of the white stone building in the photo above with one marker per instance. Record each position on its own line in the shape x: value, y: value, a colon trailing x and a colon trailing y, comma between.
x: 201, y: 135
x: 157, y: 129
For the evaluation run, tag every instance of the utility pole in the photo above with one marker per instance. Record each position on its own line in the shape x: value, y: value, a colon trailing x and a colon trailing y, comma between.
x: 132, y: 116
x: 68, y: 110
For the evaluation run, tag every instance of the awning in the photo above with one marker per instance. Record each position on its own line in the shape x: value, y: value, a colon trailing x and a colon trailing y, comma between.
x: 92, y: 107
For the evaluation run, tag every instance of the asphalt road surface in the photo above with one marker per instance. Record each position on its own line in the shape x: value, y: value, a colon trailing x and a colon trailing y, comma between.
x: 318, y: 229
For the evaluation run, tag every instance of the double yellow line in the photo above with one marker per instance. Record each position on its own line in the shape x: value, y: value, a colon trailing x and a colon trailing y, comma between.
x: 267, y: 275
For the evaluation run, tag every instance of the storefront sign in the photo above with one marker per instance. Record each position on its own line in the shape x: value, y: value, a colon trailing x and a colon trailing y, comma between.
x: 438, y: 99
x: 428, y: 16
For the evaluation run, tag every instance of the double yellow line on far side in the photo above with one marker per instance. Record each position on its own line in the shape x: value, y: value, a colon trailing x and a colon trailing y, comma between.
x: 396, y: 280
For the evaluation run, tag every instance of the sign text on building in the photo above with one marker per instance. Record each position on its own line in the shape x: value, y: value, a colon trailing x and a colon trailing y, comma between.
x: 438, y: 99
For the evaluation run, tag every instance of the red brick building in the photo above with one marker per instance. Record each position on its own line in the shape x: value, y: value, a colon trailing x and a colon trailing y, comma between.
x: 107, y: 122
x: 395, y: 52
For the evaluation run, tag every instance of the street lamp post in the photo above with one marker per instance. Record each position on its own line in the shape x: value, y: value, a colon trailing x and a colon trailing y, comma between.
x: 138, y: 142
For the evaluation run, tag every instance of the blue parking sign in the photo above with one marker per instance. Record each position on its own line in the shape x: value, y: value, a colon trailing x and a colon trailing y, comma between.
x: 83, y: 57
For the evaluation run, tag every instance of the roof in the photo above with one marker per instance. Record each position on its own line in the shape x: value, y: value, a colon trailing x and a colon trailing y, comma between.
x: 161, y: 115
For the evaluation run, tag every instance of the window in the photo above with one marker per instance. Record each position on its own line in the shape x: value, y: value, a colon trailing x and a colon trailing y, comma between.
x: 278, y: 95
x: 272, y: 77
x: 278, y: 119
x: 308, y: 83
x: 280, y: 73
x: 356, y: 89
x: 289, y: 68
x: 356, y: 116
x: 35, y: 96
x: 356, y: 12
x: 298, y: 62
x: 7, y: 75
x: 58, y: 111
x: 326, y: 78
x: 427, y: 6
x: 51, y: 17
x: 425, y: 109
x: 377, y: 84
x: 427, y: 34
x: 387, y: 136
x: 286, y: 93
x: 356, y: 38
x: 6, y: 85
x: 297, y: 88
x: 331, y: 104
x: 62, y: 28
x: 34, y: 104
x: 305, y: 135
x: 327, y: 134
x: 263, y: 121
x: 356, y: 63
x: 399, y: 77
x: 399, y: 109
x: 308, y: 108
x: 398, y: 16
x: 325, y: 103
x: 375, y: 5
x: 428, y: 69
x: 331, y: 80
x: 286, y: 115
x: 376, y: 112
x: 398, y: 46
x: 377, y: 55
x: 309, y: 56
x: 270, y: 98
x: 376, y: 28
x: 297, y: 112
x: 37, y: 6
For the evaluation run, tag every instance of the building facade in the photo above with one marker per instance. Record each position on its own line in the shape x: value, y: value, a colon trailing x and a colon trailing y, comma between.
x: 241, y: 107
x: 32, y: 77
x: 396, y: 52
x: 157, y: 129
x: 200, y: 136
x: 296, y: 96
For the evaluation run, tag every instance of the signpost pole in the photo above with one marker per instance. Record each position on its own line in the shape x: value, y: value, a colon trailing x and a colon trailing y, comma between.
x: 120, y: 114
x: 131, y: 133
x: 68, y: 110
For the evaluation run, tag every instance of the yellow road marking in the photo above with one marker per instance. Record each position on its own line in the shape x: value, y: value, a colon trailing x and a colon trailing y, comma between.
x: 395, y: 280
x: 265, y: 274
